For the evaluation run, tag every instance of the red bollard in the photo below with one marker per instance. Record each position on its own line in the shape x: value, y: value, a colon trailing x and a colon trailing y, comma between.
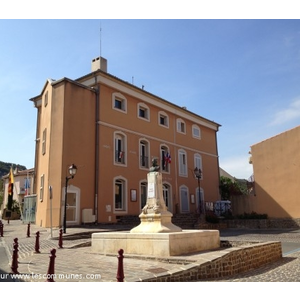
x: 120, y: 273
x: 16, y: 242
x: 28, y: 230
x: 1, y: 228
x: 37, y: 243
x: 14, y: 264
x: 60, y: 241
x: 50, y: 274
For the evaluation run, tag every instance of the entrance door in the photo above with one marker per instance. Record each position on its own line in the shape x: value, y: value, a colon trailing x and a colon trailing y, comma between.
x: 29, y: 209
x: 71, y: 207
x: 184, y: 200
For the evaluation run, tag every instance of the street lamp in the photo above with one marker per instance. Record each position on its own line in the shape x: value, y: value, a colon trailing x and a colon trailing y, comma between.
x: 198, y: 174
x: 72, y: 172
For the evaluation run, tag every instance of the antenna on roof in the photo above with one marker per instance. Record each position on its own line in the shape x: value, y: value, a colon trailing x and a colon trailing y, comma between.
x: 100, y: 38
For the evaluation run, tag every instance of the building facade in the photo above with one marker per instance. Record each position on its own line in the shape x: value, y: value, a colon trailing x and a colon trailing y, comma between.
x: 276, y: 175
x: 22, y: 188
x: 111, y: 130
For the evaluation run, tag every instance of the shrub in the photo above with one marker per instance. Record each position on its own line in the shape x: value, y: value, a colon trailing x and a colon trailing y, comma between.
x: 252, y: 215
x: 211, y: 217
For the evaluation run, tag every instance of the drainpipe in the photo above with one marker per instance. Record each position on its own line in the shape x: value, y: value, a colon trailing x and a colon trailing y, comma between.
x: 96, y: 152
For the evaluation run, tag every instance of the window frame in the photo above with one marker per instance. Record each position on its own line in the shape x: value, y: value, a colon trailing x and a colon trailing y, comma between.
x: 182, y: 163
x: 196, y: 127
x: 164, y: 168
x: 143, y: 107
x: 120, y: 161
x: 44, y: 140
x: 122, y: 99
x: 181, y: 126
x: 143, y: 143
x: 166, y: 117
x: 123, y: 182
x: 143, y: 185
x: 42, y: 183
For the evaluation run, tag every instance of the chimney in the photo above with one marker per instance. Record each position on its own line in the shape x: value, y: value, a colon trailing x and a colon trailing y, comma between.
x: 99, y: 63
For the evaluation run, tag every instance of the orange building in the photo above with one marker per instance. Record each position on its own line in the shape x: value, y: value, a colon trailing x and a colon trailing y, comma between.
x: 276, y: 175
x: 111, y: 130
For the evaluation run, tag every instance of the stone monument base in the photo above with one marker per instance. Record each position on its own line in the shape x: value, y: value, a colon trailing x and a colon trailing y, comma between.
x: 156, y: 244
x: 156, y: 223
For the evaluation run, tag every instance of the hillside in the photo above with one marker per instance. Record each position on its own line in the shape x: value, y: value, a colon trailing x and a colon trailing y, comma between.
x: 5, y: 167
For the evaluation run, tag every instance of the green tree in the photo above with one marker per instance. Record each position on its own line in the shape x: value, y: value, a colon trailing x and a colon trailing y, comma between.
x: 225, y: 185
x: 230, y: 188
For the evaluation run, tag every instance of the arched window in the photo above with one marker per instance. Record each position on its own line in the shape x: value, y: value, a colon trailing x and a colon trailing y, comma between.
x: 182, y: 160
x: 143, y: 112
x: 196, y: 132
x: 198, y: 161
x: 119, y: 102
x: 163, y: 119
x: 143, y: 194
x: 165, y: 158
x: 184, y: 199
x: 167, y: 196
x: 120, y: 148
x: 120, y: 192
x: 144, y: 154
x: 181, y: 127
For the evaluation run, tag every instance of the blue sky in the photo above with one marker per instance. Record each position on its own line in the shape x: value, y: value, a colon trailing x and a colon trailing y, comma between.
x: 241, y: 73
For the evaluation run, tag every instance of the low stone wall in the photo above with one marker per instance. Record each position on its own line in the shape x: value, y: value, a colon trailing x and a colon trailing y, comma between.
x: 230, y: 261
x: 262, y: 223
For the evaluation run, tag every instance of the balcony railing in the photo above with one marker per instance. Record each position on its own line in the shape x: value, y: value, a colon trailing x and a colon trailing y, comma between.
x: 120, y: 157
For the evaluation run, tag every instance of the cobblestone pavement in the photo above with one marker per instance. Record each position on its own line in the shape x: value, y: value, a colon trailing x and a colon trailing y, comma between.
x: 75, y: 262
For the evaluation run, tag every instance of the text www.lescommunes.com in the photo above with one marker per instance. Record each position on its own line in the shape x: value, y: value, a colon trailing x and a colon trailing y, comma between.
x: 51, y: 276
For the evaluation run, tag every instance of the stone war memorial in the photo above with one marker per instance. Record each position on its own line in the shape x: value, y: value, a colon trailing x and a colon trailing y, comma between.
x: 156, y: 235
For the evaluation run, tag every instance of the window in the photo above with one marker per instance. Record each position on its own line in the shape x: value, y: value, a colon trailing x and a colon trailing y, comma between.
x: 166, y: 195
x: 196, y: 132
x: 165, y: 158
x: 120, y: 146
x: 163, y: 119
x: 119, y: 102
x: 42, y: 188
x: 181, y: 126
x: 184, y: 199
x: 44, y: 141
x: 182, y: 163
x: 143, y: 112
x: 143, y: 187
x: 198, y: 161
x: 120, y: 194
x: 144, y: 154
x: 46, y: 99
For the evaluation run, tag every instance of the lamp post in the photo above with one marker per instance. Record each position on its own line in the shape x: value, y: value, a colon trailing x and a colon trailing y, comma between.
x: 198, y: 174
x: 72, y: 171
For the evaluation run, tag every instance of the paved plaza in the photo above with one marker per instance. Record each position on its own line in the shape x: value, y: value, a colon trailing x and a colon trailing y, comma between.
x: 75, y: 262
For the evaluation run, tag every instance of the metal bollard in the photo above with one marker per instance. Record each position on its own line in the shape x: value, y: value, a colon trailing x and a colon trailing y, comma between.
x: 1, y: 228
x: 120, y: 273
x: 28, y: 230
x: 37, y: 243
x: 60, y: 240
x: 50, y: 273
x: 14, y: 264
